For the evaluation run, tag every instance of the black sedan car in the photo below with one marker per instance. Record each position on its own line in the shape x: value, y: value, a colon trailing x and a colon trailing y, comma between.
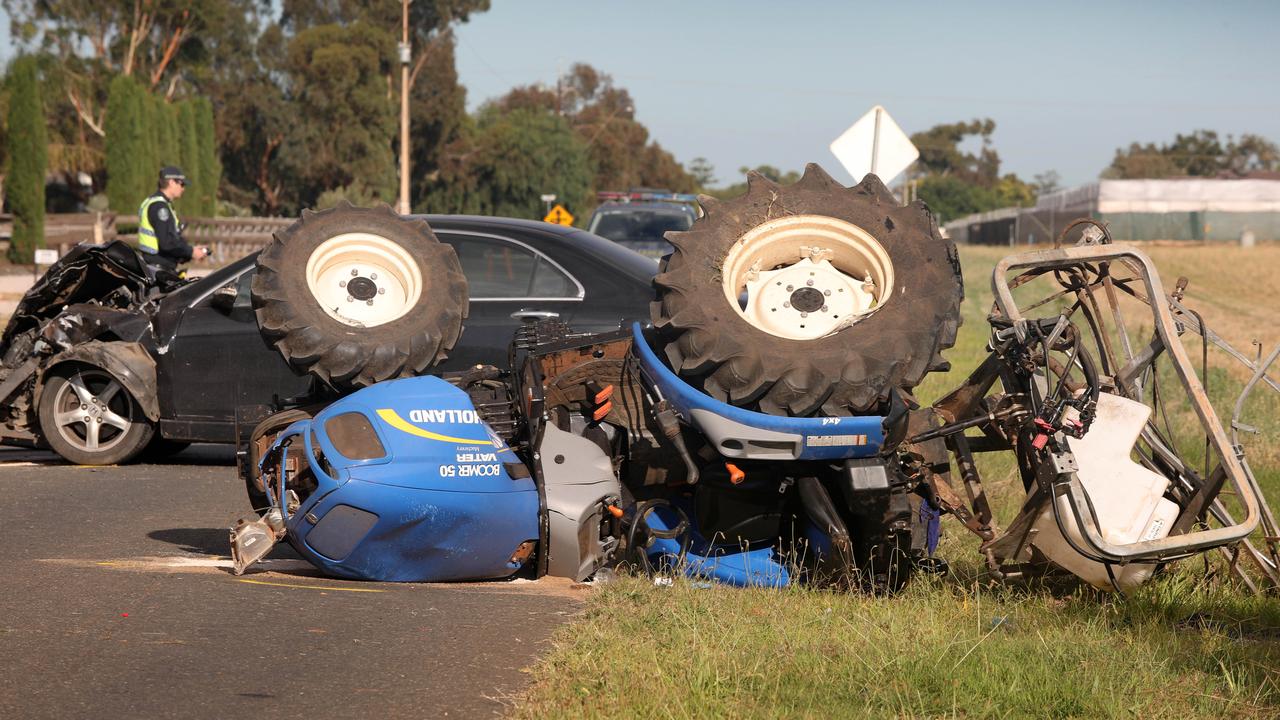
x: 102, y: 359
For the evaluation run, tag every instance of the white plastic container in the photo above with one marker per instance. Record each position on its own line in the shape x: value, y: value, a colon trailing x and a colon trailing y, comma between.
x: 1128, y: 497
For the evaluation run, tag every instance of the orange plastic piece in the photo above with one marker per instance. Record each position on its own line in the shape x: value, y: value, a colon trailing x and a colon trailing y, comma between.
x: 603, y: 395
x: 614, y: 510
x: 602, y: 411
x: 735, y: 473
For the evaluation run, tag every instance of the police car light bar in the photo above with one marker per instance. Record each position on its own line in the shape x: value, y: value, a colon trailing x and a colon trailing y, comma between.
x: 638, y: 196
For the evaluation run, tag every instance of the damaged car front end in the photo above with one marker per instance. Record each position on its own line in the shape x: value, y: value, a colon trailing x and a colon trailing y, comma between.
x: 84, y: 327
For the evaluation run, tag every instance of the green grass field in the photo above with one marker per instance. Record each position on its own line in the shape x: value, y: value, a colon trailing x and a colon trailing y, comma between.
x: 1183, y: 646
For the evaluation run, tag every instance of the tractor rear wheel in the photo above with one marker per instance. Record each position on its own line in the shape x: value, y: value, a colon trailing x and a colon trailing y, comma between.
x: 355, y: 296
x: 809, y: 299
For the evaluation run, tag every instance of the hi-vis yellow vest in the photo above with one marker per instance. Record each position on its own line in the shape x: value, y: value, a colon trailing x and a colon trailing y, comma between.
x: 147, y: 241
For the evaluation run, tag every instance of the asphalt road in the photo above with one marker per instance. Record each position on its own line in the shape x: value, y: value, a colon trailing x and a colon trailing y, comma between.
x: 116, y: 601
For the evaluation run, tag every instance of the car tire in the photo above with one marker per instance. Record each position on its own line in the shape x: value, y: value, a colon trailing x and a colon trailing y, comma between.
x: 90, y: 418
x: 882, y: 298
x: 355, y: 296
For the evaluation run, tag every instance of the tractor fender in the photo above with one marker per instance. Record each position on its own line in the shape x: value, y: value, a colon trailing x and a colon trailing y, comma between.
x: 128, y: 362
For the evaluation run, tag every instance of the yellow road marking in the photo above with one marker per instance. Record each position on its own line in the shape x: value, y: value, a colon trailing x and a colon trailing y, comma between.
x: 403, y: 425
x: 310, y: 587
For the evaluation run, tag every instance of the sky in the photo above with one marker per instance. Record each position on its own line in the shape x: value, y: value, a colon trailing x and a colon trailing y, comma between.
x: 751, y: 82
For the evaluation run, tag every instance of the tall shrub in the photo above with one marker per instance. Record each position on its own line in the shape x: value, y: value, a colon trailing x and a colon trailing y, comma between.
x: 28, y: 159
x: 209, y: 166
x: 189, y: 157
x: 127, y: 140
x: 170, y: 138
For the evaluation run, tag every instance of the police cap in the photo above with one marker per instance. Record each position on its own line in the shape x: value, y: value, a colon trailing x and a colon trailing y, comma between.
x: 169, y: 172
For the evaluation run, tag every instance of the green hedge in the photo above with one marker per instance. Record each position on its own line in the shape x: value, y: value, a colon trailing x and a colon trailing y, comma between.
x: 27, y: 160
x: 145, y: 133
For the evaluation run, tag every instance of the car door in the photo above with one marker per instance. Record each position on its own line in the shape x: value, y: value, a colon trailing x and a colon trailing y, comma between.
x: 217, y: 362
x: 507, y: 279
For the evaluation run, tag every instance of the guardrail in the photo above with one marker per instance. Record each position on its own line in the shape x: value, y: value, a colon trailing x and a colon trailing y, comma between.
x: 227, y: 238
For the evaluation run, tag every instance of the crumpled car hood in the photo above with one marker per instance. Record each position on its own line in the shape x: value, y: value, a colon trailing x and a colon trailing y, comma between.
x: 113, y: 274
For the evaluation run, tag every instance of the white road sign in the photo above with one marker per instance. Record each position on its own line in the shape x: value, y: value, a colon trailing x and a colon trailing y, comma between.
x: 46, y: 256
x: 875, y: 144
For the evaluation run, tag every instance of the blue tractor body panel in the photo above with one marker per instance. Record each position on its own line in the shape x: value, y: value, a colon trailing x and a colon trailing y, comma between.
x: 740, y: 567
x: 438, y: 503
x: 739, y: 433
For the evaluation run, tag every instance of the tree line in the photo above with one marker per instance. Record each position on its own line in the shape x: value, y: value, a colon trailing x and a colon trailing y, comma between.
x: 301, y: 99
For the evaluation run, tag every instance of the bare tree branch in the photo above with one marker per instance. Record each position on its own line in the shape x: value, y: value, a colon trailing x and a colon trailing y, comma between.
x: 86, y: 116
x: 169, y: 50
x: 421, y: 62
x: 141, y: 28
x: 270, y: 193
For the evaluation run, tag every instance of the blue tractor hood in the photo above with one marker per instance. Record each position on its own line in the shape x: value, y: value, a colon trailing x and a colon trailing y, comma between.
x: 431, y: 433
x: 411, y: 485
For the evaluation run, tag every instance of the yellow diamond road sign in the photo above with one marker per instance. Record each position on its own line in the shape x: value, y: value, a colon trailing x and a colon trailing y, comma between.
x: 559, y: 216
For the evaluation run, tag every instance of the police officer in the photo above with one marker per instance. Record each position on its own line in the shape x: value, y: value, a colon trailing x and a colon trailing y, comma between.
x: 159, y: 232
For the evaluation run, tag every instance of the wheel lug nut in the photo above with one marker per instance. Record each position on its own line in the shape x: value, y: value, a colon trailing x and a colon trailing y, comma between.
x: 342, y: 283
x: 368, y: 302
x: 786, y: 304
x: 349, y: 298
x: 354, y: 272
x: 790, y: 288
x: 826, y: 292
x: 809, y: 283
x: 382, y: 291
x: 824, y: 308
x: 373, y: 276
x: 804, y: 315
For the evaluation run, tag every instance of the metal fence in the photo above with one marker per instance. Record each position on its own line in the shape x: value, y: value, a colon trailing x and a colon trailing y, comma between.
x: 1183, y: 209
x: 227, y: 238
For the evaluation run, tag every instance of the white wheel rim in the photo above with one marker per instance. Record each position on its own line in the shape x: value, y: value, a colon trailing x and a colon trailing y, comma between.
x: 363, y: 280
x: 805, y: 277
x: 92, y: 411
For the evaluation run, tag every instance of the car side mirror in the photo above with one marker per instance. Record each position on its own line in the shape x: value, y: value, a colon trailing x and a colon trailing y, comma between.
x: 224, y: 300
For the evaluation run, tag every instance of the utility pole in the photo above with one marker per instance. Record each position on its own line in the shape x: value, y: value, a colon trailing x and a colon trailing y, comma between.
x: 404, y: 113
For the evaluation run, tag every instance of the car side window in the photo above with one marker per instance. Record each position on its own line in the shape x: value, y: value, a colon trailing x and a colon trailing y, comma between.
x: 550, y: 281
x: 497, y: 269
x: 244, y: 288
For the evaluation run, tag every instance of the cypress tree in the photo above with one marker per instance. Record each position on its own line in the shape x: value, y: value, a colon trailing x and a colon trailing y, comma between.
x: 27, y: 160
x: 154, y: 126
x: 167, y: 129
x: 126, y: 141
x: 189, y: 157
x: 209, y: 166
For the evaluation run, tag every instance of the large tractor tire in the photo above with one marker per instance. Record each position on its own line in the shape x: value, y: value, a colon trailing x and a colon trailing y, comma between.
x: 355, y: 296
x: 809, y: 299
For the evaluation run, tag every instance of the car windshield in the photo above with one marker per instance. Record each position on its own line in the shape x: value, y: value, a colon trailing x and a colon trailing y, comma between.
x: 636, y: 224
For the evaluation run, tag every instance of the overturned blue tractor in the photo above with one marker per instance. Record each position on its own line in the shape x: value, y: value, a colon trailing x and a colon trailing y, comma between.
x: 761, y: 429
